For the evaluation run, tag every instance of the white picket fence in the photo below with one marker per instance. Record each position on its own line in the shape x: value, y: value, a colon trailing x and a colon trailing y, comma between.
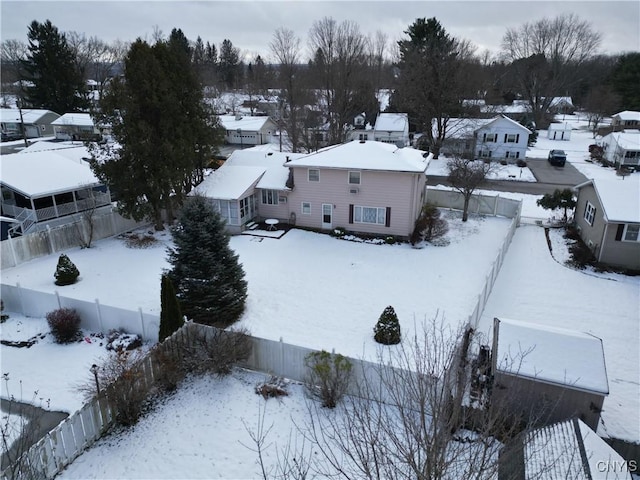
x: 95, y: 316
x: 17, y: 250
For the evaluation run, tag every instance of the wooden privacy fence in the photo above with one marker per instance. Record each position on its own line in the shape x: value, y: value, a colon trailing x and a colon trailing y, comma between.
x: 17, y: 250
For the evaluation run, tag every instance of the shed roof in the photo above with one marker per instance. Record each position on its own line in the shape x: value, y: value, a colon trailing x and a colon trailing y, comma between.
x: 552, y: 355
x: 619, y: 197
x: 29, y: 116
x: 37, y: 174
x: 366, y: 155
x: 392, y: 122
x: 559, y: 126
x: 569, y: 449
x: 628, y: 115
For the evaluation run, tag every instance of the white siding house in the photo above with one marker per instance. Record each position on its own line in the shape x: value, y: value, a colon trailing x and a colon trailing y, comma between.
x: 392, y: 128
x: 248, y: 131
x: 501, y: 138
x: 622, y: 149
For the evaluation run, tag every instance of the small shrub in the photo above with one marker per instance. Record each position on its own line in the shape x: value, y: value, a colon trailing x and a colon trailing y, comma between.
x: 3, y: 316
x: 120, y: 340
x: 338, y: 232
x: 387, y: 330
x: 66, y: 271
x: 429, y: 226
x: 216, y: 351
x: 328, y: 376
x: 503, y: 162
x: 521, y: 163
x: 390, y: 240
x: 273, y: 388
x: 64, y: 324
x: 169, y: 369
x: 133, y: 240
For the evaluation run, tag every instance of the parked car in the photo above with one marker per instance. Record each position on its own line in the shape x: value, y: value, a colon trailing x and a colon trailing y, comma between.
x: 9, y: 136
x: 557, y: 158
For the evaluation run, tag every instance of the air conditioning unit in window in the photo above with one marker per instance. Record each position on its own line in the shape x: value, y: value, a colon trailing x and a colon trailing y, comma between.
x: 282, y: 199
x: 354, y: 190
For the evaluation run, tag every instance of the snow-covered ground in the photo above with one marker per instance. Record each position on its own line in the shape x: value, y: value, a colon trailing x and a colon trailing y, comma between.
x: 498, y: 172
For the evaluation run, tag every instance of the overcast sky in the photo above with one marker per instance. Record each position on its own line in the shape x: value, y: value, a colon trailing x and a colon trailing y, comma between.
x: 250, y: 24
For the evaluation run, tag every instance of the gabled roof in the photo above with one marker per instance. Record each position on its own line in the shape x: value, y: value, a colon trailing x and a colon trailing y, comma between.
x: 74, y: 119
x: 461, y: 128
x: 569, y: 449
x: 559, y: 126
x: 505, y: 119
x: 628, y: 115
x: 551, y: 355
x: 392, y: 122
x: 619, y: 197
x: 29, y: 116
x: 366, y: 155
x: 257, y: 167
x: 246, y: 123
x: 627, y: 139
x: 37, y: 174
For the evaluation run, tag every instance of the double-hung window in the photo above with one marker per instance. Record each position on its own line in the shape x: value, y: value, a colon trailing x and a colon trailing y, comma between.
x: 354, y: 178
x: 589, y: 213
x: 490, y: 137
x: 314, y: 175
x: 306, y: 208
x: 511, y: 137
x: 631, y: 233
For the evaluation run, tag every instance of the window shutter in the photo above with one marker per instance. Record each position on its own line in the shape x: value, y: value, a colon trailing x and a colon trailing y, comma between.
x: 517, y: 138
x: 387, y: 222
x: 619, y: 232
x: 484, y: 137
x: 505, y: 138
x: 350, y: 213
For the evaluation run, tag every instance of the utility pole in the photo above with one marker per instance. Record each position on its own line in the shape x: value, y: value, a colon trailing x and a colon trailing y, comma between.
x: 24, y: 136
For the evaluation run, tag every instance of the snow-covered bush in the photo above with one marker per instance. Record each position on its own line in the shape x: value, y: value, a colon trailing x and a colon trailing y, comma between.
x: 328, y: 376
x: 387, y: 330
x: 64, y: 324
x: 66, y: 271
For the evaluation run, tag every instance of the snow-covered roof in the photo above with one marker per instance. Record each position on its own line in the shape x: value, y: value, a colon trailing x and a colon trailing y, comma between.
x: 42, y: 173
x: 619, y: 197
x: 246, y: 123
x: 392, y: 122
x: 559, y: 126
x: 559, y: 101
x: 627, y: 139
x: 461, y: 128
x: 75, y: 119
x: 551, y: 355
x: 261, y: 166
x: 29, y: 116
x: 505, y: 119
x: 628, y: 115
x: 569, y: 449
x: 366, y: 155
x: 513, y: 108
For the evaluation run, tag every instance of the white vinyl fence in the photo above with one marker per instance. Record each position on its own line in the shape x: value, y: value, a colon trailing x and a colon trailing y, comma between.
x: 17, y: 250
x: 480, y: 204
x: 94, y: 316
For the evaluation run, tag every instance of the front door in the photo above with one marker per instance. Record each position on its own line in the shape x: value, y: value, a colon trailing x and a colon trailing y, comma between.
x: 327, y: 211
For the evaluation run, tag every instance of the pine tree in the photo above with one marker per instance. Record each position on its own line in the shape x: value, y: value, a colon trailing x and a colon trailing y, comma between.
x: 170, y: 315
x: 206, y: 273
x: 56, y: 82
x: 66, y: 272
x: 387, y: 330
x: 229, y: 64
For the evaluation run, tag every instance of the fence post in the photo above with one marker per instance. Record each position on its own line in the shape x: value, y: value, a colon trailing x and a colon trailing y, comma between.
x: 13, y: 250
x: 50, y: 238
x: 99, y: 315
x: 144, y: 334
x: 58, y: 298
x: 495, y: 204
x: 21, y: 298
x: 281, y: 372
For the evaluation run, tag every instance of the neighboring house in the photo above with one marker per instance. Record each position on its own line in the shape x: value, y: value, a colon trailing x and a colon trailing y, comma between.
x: 622, y: 149
x: 45, y: 186
x: 607, y: 216
x: 248, y: 131
x: 250, y: 185
x: 78, y: 126
x: 519, y: 110
x: 37, y: 123
x: 361, y: 186
x: 547, y: 374
x: 561, y: 105
x: 566, y: 449
x: 362, y: 130
x: 493, y: 139
x: 626, y: 120
x: 559, y: 131
x: 391, y: 128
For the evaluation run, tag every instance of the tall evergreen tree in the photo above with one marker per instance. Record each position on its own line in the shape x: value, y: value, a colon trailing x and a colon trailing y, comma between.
x: 55, y: 81
x: 170, y: 314
x: 229, y: 64
x: 206, y: 273
x: 164, y: 129
x: 430, y: 78
x: 625, y: 79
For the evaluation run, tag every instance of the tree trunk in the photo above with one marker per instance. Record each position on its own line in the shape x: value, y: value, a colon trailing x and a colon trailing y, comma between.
x: 465, y: 209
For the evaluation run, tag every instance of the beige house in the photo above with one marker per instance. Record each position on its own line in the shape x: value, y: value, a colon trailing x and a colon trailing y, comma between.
x: 248, y: 131
x: 36, y: 123
x: 607, y: 216
x: 362, y: 186
x: 547, y: 374
x: 78, y: 126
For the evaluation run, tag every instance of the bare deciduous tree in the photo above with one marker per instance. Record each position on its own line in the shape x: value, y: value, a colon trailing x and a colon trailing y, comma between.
x: 466, y: 176
x: 545, y: 56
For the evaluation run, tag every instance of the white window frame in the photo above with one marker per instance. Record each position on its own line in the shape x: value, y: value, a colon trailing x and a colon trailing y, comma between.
x: 354, y: 172
x: 317, y: 178
x: 633, y: 226
x: 589, y: 213
x: 307, y: 206
x: 363, y: 136
x: 490, y: 137
x: 359, y: 215
x: 511, y: 138
x: 270, y: 197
